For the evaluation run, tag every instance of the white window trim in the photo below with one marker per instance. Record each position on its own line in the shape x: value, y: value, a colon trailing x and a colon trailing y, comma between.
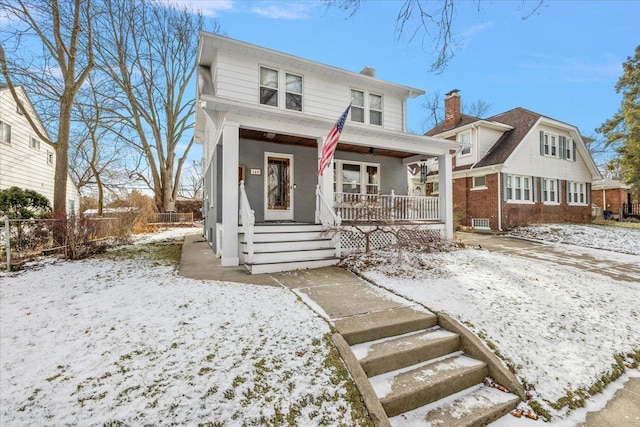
x: 571, y: 193
x: 545, y: 191
x: 521, y: 201
x: 367, y: 107
x: 281, y: 89
x: 37, y: 145
x: 470, y: 146
x: 480, y: 187
x: 7, y: 125
x: 363, y: 175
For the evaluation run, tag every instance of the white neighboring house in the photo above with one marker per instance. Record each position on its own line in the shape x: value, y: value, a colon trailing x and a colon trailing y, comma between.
x: 262, y: 117
x: 25, y: 160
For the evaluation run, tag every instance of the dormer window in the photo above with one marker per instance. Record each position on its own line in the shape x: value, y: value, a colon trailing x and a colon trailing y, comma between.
x: 465, y: 138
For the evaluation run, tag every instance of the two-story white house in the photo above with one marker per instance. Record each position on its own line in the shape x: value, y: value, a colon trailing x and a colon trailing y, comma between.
x: 262, y: 117
x: 26, y: 161
x: 515, y: 168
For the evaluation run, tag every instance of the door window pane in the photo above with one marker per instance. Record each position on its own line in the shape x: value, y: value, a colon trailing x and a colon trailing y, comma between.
x: 278, y: 183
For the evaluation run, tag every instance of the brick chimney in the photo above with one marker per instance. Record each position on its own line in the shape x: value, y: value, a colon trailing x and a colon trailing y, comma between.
x: 452, y: 108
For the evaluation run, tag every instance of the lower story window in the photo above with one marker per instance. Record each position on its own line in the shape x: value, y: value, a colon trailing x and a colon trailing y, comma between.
x: 550, y: 191
x: 356, y: 177
x: 518, y: 188
x: 576, y: 193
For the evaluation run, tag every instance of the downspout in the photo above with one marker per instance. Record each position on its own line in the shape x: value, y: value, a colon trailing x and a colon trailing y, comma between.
x: 499, y: 198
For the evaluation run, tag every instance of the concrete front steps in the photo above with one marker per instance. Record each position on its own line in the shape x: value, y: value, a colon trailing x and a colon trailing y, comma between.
x: 419, y: 372
x: 284, y: 247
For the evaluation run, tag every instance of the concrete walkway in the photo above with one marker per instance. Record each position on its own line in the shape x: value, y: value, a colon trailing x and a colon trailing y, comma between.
x: 337, y: 294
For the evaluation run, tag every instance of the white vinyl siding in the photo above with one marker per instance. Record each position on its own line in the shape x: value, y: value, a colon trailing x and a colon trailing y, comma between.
x: 237, y: 77
x: 21, y: 164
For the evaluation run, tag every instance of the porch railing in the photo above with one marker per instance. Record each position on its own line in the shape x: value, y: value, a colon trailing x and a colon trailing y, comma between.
x: 631, y: 209
x: 247, y: 220
x: 325, y: 214
x: 386, y: 207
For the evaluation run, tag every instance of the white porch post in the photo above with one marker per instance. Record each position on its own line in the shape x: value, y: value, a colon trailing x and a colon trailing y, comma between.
x: 325, y: 181
x: 445, y: 176
x: 230, y: 161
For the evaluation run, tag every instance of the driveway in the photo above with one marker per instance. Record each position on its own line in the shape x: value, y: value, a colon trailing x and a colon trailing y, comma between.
x: 620, y: 267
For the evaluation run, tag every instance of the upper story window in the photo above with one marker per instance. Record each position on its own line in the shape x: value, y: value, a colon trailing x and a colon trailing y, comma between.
x: 465, y: 138
x: 518, y: 188
x: 293, y: 92
x: 576, y: 193
x: 357, y: 106
x: 34, y: 143
x: 270, y: 93
x: 268, y: 86
x: 558, y: 146
x: 375, y: 109
x: 5, y: 133
x: 360, y: 103
x: 356, y: 177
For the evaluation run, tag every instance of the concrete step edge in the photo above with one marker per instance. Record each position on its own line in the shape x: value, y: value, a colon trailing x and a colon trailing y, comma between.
x: 407, y: 351
x: 388, y: 323
x: 404, y: 390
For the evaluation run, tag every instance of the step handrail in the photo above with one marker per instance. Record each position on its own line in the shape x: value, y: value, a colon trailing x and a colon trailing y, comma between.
x: 248, y: 221
x: 324, y: 212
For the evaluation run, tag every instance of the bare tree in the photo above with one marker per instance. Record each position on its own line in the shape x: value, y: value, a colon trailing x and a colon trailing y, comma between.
x: 430, y: 21
x: 148, y: 48
x: 98, y: 154
x: 193, y: 182
x: 434, y: 106
x: 63, y: 31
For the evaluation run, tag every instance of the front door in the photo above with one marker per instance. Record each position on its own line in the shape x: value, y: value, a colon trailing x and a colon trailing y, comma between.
x: 278, y: 187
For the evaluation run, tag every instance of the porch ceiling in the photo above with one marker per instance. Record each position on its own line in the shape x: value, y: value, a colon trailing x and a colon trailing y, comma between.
x: 278, y: 138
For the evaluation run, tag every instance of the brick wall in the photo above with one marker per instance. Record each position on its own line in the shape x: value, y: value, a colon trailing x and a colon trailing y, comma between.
x: 469, y: 203
x: 615, y: 198
x: 514, y: 214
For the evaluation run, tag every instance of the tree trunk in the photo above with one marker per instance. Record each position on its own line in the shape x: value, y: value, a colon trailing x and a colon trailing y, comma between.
x: 62, y: 158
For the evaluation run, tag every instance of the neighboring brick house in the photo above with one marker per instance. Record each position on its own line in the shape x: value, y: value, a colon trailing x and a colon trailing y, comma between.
x: 517, y: 167
x: 610, y: 195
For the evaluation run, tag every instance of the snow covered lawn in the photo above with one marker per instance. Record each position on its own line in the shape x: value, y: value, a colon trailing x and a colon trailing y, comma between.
x: 123, y: 340
x: 560, y: 328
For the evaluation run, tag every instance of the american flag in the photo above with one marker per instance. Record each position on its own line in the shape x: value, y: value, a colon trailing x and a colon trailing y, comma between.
x: 331, y: 142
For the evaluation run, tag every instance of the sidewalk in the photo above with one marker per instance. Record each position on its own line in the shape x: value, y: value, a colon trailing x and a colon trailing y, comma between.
x: 336, y: 293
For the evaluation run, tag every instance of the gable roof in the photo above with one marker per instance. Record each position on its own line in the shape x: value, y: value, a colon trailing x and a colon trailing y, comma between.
x: 442, y: 127
x: 521, y: 120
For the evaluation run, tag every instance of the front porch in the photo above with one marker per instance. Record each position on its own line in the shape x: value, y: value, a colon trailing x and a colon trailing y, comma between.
x: 267, y: 247
x: 365, y: 184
